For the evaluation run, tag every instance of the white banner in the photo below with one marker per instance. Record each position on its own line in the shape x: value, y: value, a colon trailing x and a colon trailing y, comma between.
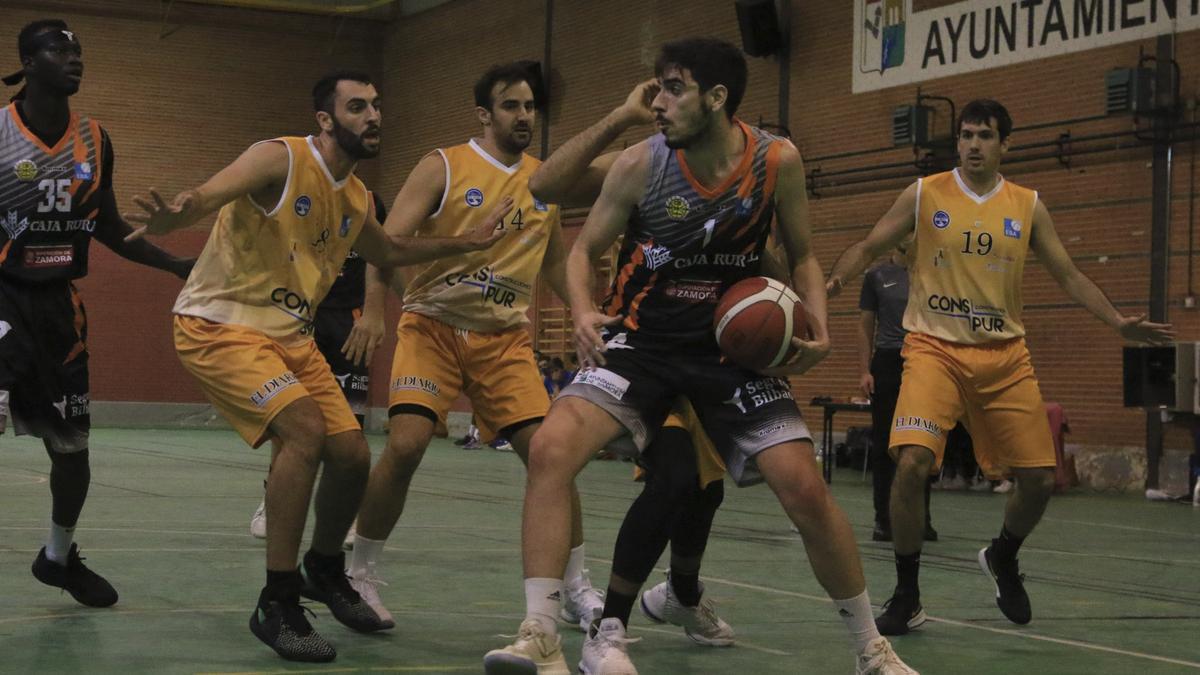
x: 894, y: 45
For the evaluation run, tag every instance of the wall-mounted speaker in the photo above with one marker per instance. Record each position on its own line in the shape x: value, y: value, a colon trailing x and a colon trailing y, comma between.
x: 759, y: 25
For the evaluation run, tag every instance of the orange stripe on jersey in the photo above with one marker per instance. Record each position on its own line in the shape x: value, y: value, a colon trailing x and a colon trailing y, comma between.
x: 768, y: 193
x: 62, y: 142
x: 4, y: 251
x: 623, y: 278
x: 743, y: 166
x: 631, y: 320
x: 98, y: 140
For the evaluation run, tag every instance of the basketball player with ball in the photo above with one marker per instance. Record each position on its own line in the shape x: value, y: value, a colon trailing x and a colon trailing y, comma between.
x: 695, y: 202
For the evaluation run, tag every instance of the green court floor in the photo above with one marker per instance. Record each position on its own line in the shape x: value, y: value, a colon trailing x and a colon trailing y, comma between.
x: 1115, y: 581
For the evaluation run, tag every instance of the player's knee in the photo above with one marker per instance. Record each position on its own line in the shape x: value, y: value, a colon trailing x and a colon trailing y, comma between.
x: 304, y: 431
x: 805, y: 506
x: 1039, y: 481
x: 68, y: 459
x: 913, y: 465
x: 710, y: 498
x: 549, y: 455
x: 349, y: 452
x: 404, y: 452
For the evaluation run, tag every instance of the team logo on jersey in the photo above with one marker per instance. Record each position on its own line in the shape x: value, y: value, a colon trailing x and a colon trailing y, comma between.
x: 345, y: 227
x: 474, y: 198
x: 1012, y: 228
x: 677, y: 207
x: 83, y: 170
x: 14, y: 226
x: 539, y: 205
x: 25, y: 170
x: 744, y: 207
x: 303, y: 205
x: 654, y: 257
x: 941, y: 220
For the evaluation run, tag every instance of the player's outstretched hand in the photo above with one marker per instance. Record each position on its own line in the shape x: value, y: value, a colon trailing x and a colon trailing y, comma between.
x: 637, y: 109
x: 1138, y: 329
x: 491, y: 229
x: 161, y: 217
x: 589, y: 346
x: 364, y: 337
x: 808, y: 354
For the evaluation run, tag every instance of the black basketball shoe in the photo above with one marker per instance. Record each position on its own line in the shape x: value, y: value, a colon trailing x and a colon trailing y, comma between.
x: 87, y: 587
x: 1011, y: 597
x: 325, y: 581
x: 901, y: 613
x: 280, y: 623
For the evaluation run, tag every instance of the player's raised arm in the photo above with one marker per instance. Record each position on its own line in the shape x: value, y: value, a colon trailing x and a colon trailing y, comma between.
x: 608, y: 218
x: 574, y: 174
x: 1049, y: 248
x: 795, y: 234
x: 891, y: 229
x: 260, y: 171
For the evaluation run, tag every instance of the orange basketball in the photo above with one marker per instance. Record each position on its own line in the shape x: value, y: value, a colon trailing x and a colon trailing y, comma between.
x: 756, y: 320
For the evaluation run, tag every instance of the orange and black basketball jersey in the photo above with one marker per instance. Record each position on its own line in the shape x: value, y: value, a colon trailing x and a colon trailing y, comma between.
x: 267, y: 267
x: 686, y: 243
x: 490, y: 290
x: 965, y: 280
x: 49, y: 199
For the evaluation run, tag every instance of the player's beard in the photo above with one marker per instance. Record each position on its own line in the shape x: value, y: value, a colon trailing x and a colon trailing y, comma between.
x: 703, y: 123
x: 351, y: 143
x: 511, y: 144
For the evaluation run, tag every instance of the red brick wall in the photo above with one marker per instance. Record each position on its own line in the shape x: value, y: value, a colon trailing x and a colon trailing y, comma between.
x: 230, y: 76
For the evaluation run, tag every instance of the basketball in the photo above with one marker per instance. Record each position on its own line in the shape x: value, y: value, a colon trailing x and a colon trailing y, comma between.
x: 755, y: 321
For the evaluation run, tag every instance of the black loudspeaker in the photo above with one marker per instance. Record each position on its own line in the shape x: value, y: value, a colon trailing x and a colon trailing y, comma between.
x: 759, y: 25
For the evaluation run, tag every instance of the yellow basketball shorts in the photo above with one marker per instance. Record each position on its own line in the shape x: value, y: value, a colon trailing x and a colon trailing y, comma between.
x: 249, y: 377
x: 990, y: 387
x: 435, y: 362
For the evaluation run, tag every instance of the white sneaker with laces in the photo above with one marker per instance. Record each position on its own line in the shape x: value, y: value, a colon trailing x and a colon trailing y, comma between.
x: 367, y: 584
x: 879, y: 659
x: 700, y: 623
x: 582, y: 604
x: 532, y: 653
x: 604, y: 650
x: 258, y: 522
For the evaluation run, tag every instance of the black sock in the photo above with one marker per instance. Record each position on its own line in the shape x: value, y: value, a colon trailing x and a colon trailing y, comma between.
x: 1005, y: 547
x: 618, y: 605
x: 907, y: 569
x: 686, y: 586
x: 319, y: 563
x: 283, y: 586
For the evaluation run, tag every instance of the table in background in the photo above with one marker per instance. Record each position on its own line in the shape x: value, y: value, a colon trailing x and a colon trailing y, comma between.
x: 830, y: 407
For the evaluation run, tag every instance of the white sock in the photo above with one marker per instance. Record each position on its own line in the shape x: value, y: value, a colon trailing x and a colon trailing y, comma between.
x: 859, y: 618
x: 58, y: 543
x: 366, y: 551
x: 543, y: 598
x: 575, y: 567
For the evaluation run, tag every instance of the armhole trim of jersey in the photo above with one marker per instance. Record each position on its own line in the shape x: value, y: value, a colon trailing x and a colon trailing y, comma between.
x: 917, y: 208
x: 287, y: 185
x: 445, y: 190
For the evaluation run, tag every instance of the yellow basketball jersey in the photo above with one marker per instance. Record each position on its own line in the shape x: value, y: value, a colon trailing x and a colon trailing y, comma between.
x: 269, y: 270
x: 489, y: 290
x: 965, y: 280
